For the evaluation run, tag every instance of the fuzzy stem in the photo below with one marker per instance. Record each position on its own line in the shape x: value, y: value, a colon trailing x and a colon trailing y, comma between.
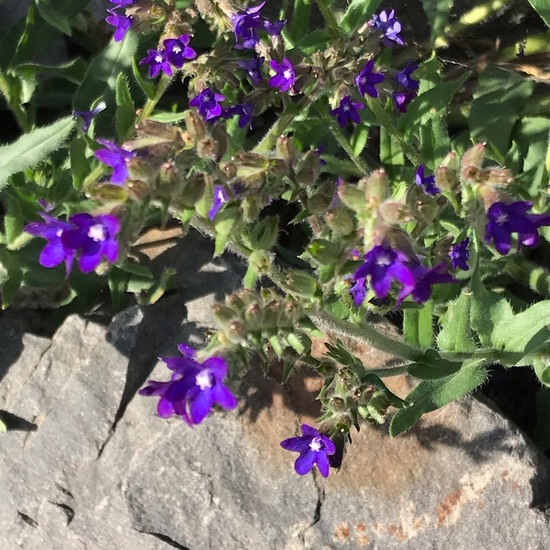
x: 524, y: 271
x: 328, y: 16
x: 367, y: 334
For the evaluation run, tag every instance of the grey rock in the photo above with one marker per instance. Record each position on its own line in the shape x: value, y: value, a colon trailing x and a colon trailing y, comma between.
x: 102, y: 470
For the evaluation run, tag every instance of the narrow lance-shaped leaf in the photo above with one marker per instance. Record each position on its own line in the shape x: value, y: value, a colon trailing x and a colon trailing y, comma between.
x: 126, y: 110
x: 456, y: 334
x: 431, y: 395
x: 32, y: 148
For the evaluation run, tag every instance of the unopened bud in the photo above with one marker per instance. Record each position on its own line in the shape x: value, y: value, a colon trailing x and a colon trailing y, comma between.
x: 340, y: 221
x: 308, y: 169
x: 377, y: 187
x: 207, y: 148
x: 472, y: 161
x: 496, y: 177
x: 446, y: 175
x: 286, y: 150
x: 351, y: 196
x: 264, y: 234
x: 394, y: 212
x: 251, y: 167
x: 254, y: 316
x: 195, y: 125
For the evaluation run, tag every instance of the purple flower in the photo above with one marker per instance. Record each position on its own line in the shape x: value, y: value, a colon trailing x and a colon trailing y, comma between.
x: 220, y: 198
x: 285, y: 76
x: 401, y: 100
x: 274, y: 29
x: 385, y: 266
x: 89, y: 237
x: 116, y: 157
x: 367, y: 79
x: 177, y: 50
x: 121, y: 23
x: 122, y: 3
x: 425, y: 278
x: 87, y: 116
x: 427, y: 183
x: 157, y: 61
x: 193, y: 389
x: 252, y: 68
x: 207, y: 102
x: 505, y: 219
x: 390, y: 26
x: 243, y: 111
x: 314, y: 448
x: 358, y: 291
x: 245, y: 26
x: 460, y: 254
x: 348, y: 111
x: 403, y: 78
x: 92, y: 239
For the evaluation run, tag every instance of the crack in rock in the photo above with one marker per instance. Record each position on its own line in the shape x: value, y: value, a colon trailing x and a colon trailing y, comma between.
x: 166, y: 539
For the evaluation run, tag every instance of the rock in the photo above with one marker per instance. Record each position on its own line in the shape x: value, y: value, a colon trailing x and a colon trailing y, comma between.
x: 101, y: 470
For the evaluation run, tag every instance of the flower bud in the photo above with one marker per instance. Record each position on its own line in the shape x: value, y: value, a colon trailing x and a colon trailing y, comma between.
x: 207, y: 148
x: 472, y: 161
x: 251, y: 167
x: 496, y: 177
x: 223, y: 314
x: 251, y: 208
x: 377, y: 187
x: 264, y: 234
x: 300, y: 283
x: 286, y: 150
x: 446, y: 175
x: 351, y: 196
x: 254, y: 316
x: 195, y: 125
x: 191, y: 190
x: 308, y: 169
x: 394, y: 212
x: 340, y: 221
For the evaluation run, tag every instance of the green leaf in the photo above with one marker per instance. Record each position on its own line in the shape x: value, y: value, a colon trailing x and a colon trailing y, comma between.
x: 3, y: 427
x: 51, y: 14
x: 103, y: 72
x: 542, y: 7
x: 167, y: 117
x: 430, y: 105
x: 80, y: 166
x: 431, y: 395
x: 456, y: 335
x: 418, y: 326
x: 541, y: 366
x: 73, y: 71
x: 13, y: 220
x: 147, y: 87
x: 359, y: 138
x: 10, y: 263
x: 299, y: 23
x: 358, y: 12
x: 499, y: 101
x: 525, y: 331
x: 126, y: 110
x: 33, y: 148
x: 438, y: 13
x: 433, y: 367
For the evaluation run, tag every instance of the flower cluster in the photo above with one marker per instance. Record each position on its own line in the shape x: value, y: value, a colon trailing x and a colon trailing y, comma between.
x: 193, y: 389
x: 83, y: 236
x: 314, y: 449
x: 246, y: 25
x: 121, y: 23
x: 117, y: 158
x: 385, y: 266
x: 174, y: 53
x: 208, y: 103
x: 389, y: 26
x: 408, y: 88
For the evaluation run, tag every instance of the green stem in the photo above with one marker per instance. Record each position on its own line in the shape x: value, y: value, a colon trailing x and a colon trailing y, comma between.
x: 150, y: 104
x: 365, y: 333
x: 343, y: 141
x: 14, y: 106
x: 270, y: 139
x: 385, y: 120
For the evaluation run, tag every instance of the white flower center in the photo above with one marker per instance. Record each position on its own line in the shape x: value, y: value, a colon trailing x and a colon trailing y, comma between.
x: 383, y: 259
x: 59, y: 232
x: 97, y: 232
x: 204, y: 379
x: 346, y: 107
x: 316, y: 444
x: 287, y: 74
x: 158, y: 58
x: 503, y: 218
x: 176, y: 49
x: 363, y: 80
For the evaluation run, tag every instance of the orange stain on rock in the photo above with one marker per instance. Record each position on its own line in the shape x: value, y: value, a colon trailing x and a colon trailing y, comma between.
x: 396, y: 531
x: 447, y: 506
x: 342, y: 532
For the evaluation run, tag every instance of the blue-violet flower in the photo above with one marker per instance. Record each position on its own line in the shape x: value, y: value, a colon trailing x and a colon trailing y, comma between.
x: 367, y: 79
x: 177, y: 50
x: 157, y: 61
x: 252, y: 68
x: 314, y: 448
x: 505, y: 219
x: 460, y: 254
x: 194, y: 387
x: 116, y: 157
x: 285, y: 76
x: 87, y: 116
x: 390, y: 26
x: 207, y: 102
x: 245, y: 26
x: 426, y: 183
x: 220, y: 198
x: 122, y: 24
x: 347, y: 111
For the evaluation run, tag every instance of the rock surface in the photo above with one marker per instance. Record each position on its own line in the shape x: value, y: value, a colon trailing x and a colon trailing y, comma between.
x: 87, y: 464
